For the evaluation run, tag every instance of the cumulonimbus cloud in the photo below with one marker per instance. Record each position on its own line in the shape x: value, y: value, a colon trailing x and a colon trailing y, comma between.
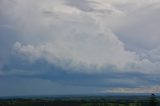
x: 83, y: 35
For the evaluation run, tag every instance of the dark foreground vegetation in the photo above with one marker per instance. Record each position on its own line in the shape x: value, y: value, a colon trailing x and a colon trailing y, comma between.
x: 84, y: 101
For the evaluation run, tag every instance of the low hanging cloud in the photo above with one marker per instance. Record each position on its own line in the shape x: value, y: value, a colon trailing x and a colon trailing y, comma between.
x: 153, y: 89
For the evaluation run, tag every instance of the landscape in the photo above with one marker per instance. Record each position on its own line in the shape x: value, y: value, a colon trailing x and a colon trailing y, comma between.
x: 79, y: 52
x: 99, y: 100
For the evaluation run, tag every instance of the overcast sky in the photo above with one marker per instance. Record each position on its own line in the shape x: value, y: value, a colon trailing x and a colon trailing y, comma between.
x: 51, y: 47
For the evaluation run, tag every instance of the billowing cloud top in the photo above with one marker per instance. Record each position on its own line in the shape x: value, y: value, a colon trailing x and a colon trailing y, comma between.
x: 80, y: 37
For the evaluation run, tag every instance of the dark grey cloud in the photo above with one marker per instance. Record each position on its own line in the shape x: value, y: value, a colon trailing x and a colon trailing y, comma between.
x: 7, y: 39
x: 41, y: 69
x: 83, y: 5
x: 17, y: 86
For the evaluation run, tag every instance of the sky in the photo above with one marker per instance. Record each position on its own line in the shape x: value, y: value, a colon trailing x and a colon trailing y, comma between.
x: 61, y: 47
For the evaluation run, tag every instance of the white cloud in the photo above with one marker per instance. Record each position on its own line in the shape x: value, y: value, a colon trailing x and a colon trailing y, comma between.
x: 69, y: 36
x: 80, y: 35
x: 58, y: 31
x: 152, y: 89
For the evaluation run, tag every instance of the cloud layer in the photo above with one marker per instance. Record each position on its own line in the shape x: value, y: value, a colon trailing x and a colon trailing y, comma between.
x: 70, y: 34
x: 82, y: 37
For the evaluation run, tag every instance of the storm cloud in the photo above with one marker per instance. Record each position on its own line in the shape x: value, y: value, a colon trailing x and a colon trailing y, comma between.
x: 86, y: 39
